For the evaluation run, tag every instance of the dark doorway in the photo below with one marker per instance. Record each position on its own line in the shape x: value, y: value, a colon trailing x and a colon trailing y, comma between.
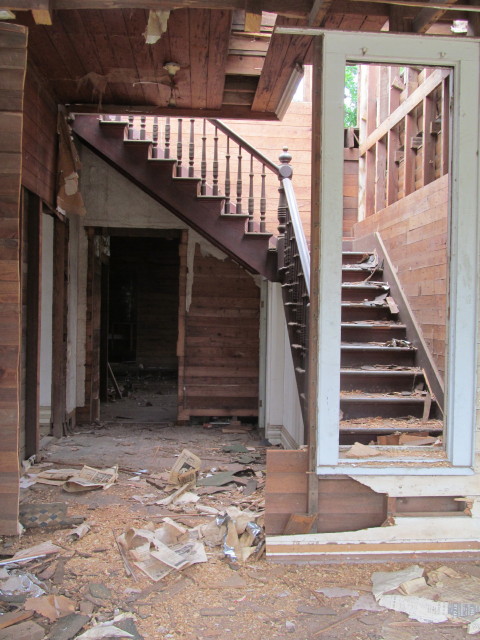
x: 143, y: 299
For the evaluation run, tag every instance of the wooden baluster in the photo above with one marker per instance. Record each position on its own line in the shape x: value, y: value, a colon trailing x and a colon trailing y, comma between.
x: 239, y: 182
x: 155, y: 138
x: 167, y: 138
x: 179, y: 147
x: 215, y: 163
x: 263, y: 202
x: 285, y: 171
x: 143, y: 126
x: 227, y: 178
x: 203, y: 165
x: 130, y: 128
x: 191, y: 149
x: 251, y: 201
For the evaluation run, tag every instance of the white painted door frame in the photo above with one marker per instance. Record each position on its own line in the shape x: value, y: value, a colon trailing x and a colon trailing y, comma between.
x: 463, y: 57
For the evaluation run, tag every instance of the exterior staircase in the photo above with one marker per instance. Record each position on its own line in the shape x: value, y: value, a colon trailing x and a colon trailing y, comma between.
x: 383, y: 390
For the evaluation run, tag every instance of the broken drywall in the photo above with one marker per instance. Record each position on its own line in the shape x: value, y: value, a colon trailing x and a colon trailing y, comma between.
x: 113, y: 201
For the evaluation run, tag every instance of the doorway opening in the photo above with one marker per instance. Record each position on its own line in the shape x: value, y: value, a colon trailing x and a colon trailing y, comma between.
x: 140, y: 302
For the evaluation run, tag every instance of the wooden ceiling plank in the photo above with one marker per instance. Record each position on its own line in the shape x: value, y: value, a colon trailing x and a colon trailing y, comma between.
x: 95, y: 27
x: 199, y: 24
x: 119, y: 42
x: 83, y: 43
x: 148, y: 74
x: 426, y: 18
x: 220, y: 25
x: 178, y: 33
x: 292, y: 8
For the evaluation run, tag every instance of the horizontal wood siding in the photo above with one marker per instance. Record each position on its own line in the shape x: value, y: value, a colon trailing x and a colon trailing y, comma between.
x: 343, y: 503
x: 39, y: 138
x: 414, y: 231
x: 221, y: 341
x: 13, y: 47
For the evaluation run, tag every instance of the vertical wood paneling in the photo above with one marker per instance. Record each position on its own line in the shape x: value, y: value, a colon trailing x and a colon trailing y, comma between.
x: 221, y: 341
x: 39, y: 138
x: 13, y: 38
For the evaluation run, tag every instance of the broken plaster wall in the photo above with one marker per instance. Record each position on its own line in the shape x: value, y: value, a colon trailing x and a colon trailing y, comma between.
x: 283, y: 416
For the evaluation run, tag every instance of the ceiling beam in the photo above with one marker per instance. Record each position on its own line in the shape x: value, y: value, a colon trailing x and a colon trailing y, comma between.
x: 292, y: 8
x: 318, y: 12
x: 425, y: 18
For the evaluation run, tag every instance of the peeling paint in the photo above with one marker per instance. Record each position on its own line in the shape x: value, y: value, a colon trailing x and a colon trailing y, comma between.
x: 422, y: 486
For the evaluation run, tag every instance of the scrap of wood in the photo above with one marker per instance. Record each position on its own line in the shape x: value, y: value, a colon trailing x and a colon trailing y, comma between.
x: 299, y: 523
x: 114, y: 380
x: 128, y: 568
x: 426, y: 407
x: 9, y: 619
x: 42, y: 16
x: 356, y: 614
x: 392, y: 305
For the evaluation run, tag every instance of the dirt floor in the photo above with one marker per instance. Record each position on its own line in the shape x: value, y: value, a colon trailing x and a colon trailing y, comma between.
x: 215, y: 599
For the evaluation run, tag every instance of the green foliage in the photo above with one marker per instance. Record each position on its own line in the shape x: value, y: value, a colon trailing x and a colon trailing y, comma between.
x: 350, y: 96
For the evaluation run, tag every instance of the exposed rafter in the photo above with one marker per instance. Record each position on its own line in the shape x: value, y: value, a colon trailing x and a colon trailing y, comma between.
x: 425, y: 18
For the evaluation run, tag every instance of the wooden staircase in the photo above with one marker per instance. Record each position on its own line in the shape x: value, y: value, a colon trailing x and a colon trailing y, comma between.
x: 181, y: 191
x: 382, y: 387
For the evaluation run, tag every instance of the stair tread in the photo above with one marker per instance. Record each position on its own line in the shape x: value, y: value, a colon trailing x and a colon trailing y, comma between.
x: 370, y: 324
x: 382, y: 398
x: 350, y: 346
x: 407, y: 371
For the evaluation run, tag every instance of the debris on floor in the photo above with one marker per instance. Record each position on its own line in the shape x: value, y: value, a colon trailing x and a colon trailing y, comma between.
x: 88, y: 581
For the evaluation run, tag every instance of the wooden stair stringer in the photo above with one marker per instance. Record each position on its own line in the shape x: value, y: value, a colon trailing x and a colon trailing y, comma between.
x: 179, y: 196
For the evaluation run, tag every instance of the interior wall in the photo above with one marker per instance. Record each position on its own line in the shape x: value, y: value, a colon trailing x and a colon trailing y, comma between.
x: 414, y: 230
x: 72, y: 293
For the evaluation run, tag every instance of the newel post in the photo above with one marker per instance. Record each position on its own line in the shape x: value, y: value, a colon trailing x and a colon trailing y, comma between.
x: 284, y: 171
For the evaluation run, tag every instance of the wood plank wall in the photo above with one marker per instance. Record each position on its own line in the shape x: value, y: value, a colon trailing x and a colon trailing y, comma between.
x: 350, y: 191
x: 414, y: 231
x: 221, y: 341
x: 13, y: 61
x: 39, y: 138
x: 343, y: 503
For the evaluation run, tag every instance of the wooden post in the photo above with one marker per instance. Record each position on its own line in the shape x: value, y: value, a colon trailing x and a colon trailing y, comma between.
x: 239, y: 182
x: 445, y: 162
x: 179, y: 147
x: 393, y: 139
x: 227, y: 178
x: 215, y: 163
x: 380, y: 174
x: 155, y: 137
x: 13, y: 42
x: 263, y: 202
x: 167, y: 138
x: 203, y: 165
x: 251, y: 202
x: 428, y: 168
x: 409, y: 154
x: 370, y: 156
x: 32, y: 211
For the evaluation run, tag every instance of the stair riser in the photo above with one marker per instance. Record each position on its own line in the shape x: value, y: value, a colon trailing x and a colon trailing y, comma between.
x: 358, y: 294
x: 372, y: 334
x: 381, y: 383
x: 354, y: 275
x: 351, y: 314
x: 352, y: 258
x: 357, y: 359
x: 392, y: 409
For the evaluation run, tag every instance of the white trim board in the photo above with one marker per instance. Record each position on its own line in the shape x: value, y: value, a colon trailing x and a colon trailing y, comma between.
x: 460, y: 403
